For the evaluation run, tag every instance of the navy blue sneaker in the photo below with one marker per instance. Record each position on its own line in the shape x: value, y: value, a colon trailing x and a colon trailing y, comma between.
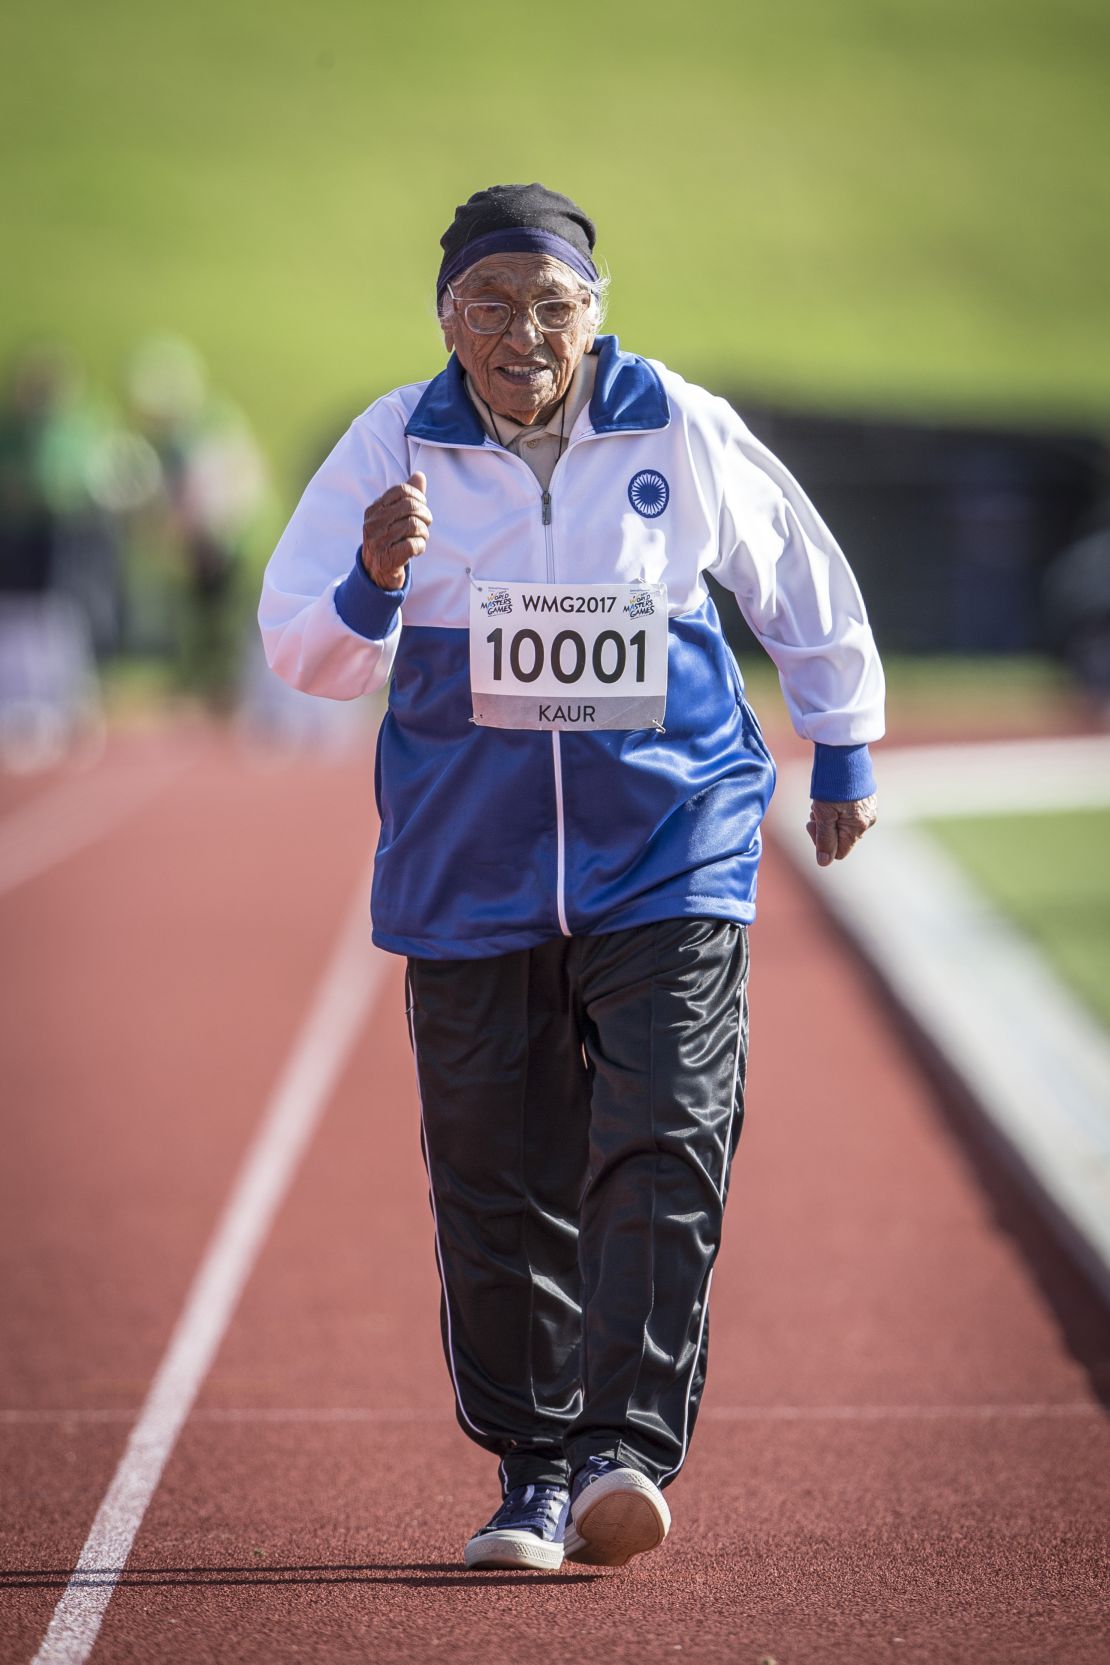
x: 527, y: 1531
x: 615, y: 1513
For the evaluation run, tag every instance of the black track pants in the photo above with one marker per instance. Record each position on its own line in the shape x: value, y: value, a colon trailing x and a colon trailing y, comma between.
x: 581, y: 1103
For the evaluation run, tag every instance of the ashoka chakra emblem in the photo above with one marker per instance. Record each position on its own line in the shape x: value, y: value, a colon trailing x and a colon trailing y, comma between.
x: 648, y: 493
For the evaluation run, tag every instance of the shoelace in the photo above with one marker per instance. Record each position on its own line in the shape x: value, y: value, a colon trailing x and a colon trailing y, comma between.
x: 593, y: 1469
x: 530, y: 1509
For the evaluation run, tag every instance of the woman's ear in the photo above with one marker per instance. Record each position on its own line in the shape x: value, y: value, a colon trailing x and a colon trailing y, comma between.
x: 595, y: 326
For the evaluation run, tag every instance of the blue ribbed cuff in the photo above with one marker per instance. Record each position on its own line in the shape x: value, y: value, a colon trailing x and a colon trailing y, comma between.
x: 364, y: 607
x: 841, y: 774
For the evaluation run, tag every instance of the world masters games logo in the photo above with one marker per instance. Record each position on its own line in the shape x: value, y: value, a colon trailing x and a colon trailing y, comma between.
x: 497, y: 601
x: 648, y: 493
x: 640, y: 605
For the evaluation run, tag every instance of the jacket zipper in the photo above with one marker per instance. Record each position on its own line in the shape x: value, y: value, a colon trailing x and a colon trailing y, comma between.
x: 556, y: 751
x: 556, y: 748
x: 560, y: 837
x: 548, y: 544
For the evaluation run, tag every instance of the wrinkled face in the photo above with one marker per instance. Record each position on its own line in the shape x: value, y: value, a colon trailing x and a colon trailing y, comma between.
x: 521, y: 374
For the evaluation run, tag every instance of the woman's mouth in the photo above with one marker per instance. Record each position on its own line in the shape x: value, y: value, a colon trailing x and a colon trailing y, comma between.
x: 522, y: 375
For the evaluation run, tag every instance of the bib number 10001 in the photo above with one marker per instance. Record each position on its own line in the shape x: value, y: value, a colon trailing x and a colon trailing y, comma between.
x: 532, y: 667
x: 568, y: 656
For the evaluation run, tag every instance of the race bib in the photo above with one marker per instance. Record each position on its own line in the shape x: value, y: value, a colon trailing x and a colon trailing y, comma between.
x: 568, y: 656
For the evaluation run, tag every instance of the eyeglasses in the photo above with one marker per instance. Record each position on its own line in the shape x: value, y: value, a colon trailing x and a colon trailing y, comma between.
x: 550, y: 317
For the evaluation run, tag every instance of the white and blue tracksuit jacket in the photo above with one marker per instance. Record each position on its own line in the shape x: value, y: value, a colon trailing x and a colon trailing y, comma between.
x: 493, y: 839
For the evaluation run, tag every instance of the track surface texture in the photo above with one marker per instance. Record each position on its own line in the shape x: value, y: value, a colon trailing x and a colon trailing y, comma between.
x: 902, y: 1455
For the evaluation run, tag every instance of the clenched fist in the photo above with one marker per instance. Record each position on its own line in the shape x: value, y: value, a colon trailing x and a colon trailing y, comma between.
x: 837, y: 828
x: 394, y: 529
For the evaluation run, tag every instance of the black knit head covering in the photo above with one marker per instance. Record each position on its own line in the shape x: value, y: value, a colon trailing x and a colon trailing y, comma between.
x: 511, y: 219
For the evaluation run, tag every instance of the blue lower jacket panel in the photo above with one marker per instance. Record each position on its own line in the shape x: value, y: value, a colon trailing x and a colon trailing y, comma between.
x: 656, y: 826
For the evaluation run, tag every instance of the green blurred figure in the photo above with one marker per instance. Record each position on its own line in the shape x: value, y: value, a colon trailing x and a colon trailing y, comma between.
x: 26, y: 521
x: 212, y: 495
x: 60, y: 486
x: 71, y: 479
x: 69, y: 476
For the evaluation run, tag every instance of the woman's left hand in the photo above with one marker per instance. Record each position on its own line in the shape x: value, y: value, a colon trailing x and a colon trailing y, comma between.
x: 837, y: 828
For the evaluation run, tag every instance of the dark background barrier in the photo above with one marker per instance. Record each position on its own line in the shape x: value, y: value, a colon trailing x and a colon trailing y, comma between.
x: 950, y: 529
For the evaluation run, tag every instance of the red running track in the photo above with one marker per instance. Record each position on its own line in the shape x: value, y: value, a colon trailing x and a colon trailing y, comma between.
x: 901, y: 1457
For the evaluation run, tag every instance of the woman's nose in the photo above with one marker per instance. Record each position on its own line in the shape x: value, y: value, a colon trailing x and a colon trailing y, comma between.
x: 523, y: 333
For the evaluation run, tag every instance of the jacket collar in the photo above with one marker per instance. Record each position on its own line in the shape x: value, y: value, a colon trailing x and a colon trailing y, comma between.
x: 628, y: 397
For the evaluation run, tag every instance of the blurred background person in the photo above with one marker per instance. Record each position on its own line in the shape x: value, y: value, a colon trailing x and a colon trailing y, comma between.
x: 213, y: 489
x: 1076, y: 599
x: 61, y: 589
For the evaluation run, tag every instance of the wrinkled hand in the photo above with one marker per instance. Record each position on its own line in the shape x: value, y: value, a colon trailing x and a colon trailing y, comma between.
x: 394, y: 529
x: 837, y: 828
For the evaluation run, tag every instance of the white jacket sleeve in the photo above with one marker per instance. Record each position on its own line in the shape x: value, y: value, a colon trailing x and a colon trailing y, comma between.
x: 798, y: 595
x: 326, y: 627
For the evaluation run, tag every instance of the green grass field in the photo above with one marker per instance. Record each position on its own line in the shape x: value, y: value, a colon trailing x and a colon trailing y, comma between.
x: 1050, y: 873
x: 858, y: 203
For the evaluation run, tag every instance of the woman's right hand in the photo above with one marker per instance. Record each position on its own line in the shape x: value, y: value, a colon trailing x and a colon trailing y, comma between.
x: 394, y: 529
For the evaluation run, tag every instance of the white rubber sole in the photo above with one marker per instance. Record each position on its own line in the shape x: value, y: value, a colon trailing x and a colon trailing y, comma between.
x: 617, y: 1517
x: 509, y: 1550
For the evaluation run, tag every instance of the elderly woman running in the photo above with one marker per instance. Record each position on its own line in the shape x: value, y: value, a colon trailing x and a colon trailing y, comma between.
x: 571, y: 785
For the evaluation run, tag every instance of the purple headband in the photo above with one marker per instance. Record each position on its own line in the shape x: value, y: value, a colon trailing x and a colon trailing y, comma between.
x: 517, y: 240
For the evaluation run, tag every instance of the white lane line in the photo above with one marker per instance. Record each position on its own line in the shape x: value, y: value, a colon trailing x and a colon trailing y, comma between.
x: 900, y: 1413
x: 1068, y: 1410
x: 337, y: 1413
x: 72, y: 814
x: 291, y: 1117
